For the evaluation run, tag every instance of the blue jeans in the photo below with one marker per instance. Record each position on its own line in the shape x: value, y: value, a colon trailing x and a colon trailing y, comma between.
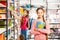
x: 24, y: 32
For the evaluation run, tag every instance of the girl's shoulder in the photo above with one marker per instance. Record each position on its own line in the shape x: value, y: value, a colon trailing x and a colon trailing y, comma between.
x: 38, y: 21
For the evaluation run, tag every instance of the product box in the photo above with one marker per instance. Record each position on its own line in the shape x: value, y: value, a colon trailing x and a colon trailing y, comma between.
x: 2, y: 16
x: 2, y: 37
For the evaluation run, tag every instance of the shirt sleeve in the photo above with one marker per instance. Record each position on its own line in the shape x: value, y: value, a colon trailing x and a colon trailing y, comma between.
x: 47, y: 30
x: 33, y: 27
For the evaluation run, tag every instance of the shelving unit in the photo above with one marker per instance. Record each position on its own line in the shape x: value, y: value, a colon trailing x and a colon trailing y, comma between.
x: 2, y: 17
x: 7, y: 22
x: 53, y: 19
x: 2, y: 30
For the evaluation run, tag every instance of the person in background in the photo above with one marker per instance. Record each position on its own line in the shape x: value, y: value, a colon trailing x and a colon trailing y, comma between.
x: 23, y: 22
x: 40, y: 27
x: 21, y: 37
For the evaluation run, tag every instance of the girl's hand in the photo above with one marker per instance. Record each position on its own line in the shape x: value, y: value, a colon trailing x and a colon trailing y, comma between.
x: 35, y: 29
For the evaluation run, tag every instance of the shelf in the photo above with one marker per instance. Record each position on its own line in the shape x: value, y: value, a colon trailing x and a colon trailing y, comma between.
x: 2, y: 7
x: 55, y: 28
x: 54, y: 32
x: 53, y: 3
x: 54, y: 38
x: 2, y: 25
x: 5, y: 19
x: 55, y: 23
x: 2, y: 19
x: 2, y: 0
x: 3, y: 13
x: 4, y: 29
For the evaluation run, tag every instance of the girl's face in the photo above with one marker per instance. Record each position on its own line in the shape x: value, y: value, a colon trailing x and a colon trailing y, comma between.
x: 40, y: 13
x: 25, y: 12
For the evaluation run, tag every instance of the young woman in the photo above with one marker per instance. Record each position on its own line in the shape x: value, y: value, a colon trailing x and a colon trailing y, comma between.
x: 23, y: 21
x: 40, y: 27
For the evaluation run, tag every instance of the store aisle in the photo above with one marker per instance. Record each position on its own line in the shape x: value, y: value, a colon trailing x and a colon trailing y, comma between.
x: 10, y: 28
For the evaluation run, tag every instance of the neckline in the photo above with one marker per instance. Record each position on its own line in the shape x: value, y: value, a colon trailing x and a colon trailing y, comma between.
x: 41, y: 21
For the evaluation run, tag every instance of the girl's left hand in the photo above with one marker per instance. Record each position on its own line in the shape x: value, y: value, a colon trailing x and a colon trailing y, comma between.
x: 35, y: 29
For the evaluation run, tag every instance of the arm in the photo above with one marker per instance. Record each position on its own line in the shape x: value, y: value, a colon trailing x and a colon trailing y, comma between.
x: 13, y: 13
x: 47, y: 30
x: 17, y: 17
x: 33, y: 28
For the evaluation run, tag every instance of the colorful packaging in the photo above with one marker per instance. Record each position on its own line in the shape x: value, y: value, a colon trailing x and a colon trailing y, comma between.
x: 2, y: 16
x: 11, y: 8
x: 21, y: 11
x: 9, y: 22
x: 2, y: 22
x: 2, y: 37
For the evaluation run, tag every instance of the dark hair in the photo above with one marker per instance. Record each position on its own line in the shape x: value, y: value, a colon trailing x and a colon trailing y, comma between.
x: 26, y: 11
x: 42, y: 10
x: 39, y: 9
x: 21, y: 37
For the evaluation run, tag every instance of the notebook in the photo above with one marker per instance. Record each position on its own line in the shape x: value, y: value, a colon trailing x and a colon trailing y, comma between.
x: 40, y: 24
